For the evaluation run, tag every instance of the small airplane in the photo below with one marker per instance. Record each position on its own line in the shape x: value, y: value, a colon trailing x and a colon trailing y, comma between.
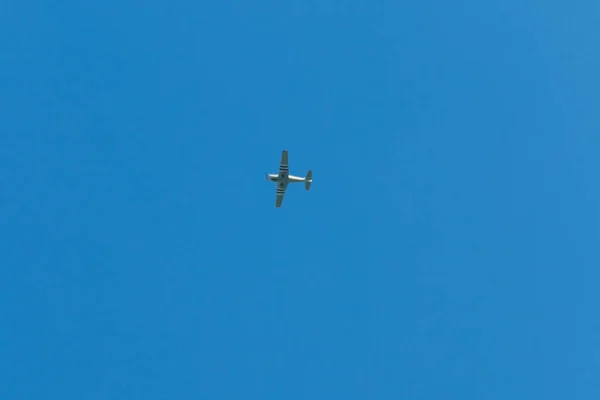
x: 284, y: 177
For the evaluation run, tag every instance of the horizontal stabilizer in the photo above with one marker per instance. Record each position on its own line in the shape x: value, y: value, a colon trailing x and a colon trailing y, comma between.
x: 308, y: 180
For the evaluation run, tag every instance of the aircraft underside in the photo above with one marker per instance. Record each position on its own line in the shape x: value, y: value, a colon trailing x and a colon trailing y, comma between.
x: 283, y: 178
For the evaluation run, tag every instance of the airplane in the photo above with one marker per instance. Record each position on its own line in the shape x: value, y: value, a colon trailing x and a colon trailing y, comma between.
x: 283, y: 178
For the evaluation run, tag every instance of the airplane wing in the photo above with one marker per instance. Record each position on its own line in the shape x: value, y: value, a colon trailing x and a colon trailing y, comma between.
x: 284, y: 169
x: 284, y: 172
x: 279, y: 193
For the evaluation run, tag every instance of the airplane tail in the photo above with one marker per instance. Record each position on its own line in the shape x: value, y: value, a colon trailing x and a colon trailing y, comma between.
x: 308, y: 179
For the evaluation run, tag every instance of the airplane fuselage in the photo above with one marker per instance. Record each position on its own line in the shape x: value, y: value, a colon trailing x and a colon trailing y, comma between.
x: 282, y: 178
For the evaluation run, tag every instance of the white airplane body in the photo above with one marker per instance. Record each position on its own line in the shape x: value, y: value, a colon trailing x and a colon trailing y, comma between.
x: 283, y: 178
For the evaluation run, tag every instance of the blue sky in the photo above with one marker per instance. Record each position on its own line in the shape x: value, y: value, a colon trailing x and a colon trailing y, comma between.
x: 448, y: 247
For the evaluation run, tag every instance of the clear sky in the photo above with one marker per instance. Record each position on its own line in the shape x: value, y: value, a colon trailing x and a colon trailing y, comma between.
x: 448, y: 248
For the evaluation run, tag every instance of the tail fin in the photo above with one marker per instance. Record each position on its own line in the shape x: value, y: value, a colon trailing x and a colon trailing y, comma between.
x: 308, y: 179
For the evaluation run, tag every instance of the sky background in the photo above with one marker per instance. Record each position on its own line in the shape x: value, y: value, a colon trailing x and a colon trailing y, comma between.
x: 448, y: 247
